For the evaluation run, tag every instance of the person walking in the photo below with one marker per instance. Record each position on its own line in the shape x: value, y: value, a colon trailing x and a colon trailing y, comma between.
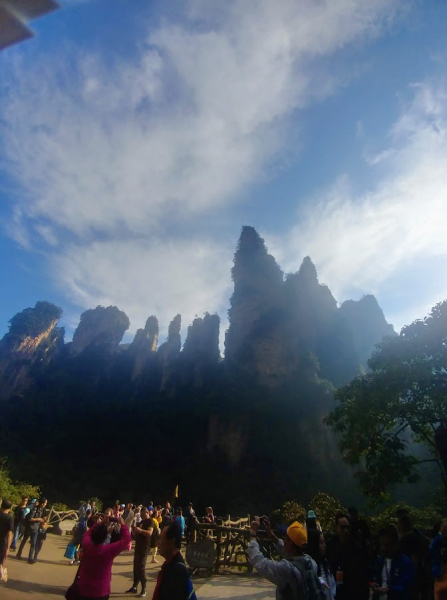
x: 95, y: 571
x: 34, y: 521
x: 173, y: 581
x: 143, y: 536
x: 20, y: 513
x: 6, y: 532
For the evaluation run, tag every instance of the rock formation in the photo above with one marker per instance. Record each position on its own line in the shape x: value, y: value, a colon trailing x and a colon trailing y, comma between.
x: 33, y: 338
x: 100, y: 327
x: 144, y: 347
x: 216, y: 424
x: 367, y: 325
x: 168, y: 354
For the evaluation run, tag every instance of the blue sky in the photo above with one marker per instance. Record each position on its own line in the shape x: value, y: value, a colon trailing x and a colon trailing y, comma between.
x: 137, y: 138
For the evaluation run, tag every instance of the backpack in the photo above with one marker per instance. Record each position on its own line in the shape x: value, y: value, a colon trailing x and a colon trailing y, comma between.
x: 310, y: 587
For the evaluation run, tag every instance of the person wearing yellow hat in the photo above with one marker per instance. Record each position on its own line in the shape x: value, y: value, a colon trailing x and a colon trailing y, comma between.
x: 295, y: 575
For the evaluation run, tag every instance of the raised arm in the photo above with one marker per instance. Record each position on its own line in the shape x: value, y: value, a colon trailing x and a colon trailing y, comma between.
x: 117, y: 547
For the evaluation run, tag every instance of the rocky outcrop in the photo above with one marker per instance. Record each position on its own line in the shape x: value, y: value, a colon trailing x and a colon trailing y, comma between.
x: 101, y: 328
x: 367, y: 325
x: 32, y: 339
x: 200, y: 351
x: 258, y: 283
x: 144, y: 346
x: 168, y: 354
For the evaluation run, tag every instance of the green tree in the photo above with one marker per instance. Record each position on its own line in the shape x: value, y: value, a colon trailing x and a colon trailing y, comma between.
x: 13, y: 491
x: 326, y: 507
x: 384, y: 416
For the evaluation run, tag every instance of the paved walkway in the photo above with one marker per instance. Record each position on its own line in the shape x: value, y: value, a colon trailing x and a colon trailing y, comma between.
x: 52, y: 574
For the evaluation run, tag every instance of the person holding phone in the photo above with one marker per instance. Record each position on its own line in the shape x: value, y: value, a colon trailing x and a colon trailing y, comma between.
x: 95, y: 571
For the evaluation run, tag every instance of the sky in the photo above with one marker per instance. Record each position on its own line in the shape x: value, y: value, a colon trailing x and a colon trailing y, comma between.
x: 137, y: 138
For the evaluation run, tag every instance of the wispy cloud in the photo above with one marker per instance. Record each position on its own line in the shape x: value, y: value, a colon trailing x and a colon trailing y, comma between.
x: 105, y: 153
x: 364, y: 242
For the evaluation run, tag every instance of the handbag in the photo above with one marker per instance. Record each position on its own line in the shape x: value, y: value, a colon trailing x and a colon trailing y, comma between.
x: 70, y: 551
x: 72, y: 592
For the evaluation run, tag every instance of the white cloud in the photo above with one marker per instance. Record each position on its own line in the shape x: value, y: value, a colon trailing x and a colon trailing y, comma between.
x: 184, y: 127
x: 365, y: 242
x: 145, y: 277
x: 106, y: 152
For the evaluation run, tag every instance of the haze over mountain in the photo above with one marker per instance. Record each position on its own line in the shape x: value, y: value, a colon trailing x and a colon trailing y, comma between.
x: 218, y: 423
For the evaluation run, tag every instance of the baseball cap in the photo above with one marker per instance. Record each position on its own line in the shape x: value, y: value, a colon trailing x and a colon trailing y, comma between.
x: 297, y: 534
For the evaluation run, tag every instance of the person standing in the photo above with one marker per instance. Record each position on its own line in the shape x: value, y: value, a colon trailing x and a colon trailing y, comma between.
x: 85, y: 506
x: 94, y: 508
x: 394, y: 571
x: 190, y: 517
x: 6, y: 531
x: 415, y: 545
x: 20, y: 513
x: 316, y: 548
x: 173, y: 581
x: 143, y: 536
x: 209, y: 517
x: 180, y: 519
x: 128, y: 514
x: 349, y: 561
x: 438, y: 551
x: 34, y: 520
x: 95, y: 571
x: 296, y: 572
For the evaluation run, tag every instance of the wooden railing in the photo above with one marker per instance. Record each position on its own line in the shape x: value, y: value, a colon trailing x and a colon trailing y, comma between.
x: 230, y: 539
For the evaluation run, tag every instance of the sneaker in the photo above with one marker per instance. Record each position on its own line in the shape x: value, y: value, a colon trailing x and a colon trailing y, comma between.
x: 132, y: 590
x: 143, y: 594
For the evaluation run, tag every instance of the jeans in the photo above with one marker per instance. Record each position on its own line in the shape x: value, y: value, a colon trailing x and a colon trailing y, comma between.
x: 35, y: 546
x: 25, y: 538
x: 19, y: 530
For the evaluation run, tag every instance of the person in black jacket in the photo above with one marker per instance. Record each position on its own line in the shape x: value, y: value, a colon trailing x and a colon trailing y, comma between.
x: 349, y: 561
x: 173, y: 582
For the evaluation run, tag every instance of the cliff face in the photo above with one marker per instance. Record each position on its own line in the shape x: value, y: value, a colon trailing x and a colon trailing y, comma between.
x: 100, y: 327
x: 259, y: 409
x: 168, y: 354
x: 33, y: 339
x: 367, y: 325
x: 144, y: 347
x: 258, y: 283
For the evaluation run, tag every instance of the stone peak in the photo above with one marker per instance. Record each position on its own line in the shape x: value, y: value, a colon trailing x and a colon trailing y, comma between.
x: 307, y: 270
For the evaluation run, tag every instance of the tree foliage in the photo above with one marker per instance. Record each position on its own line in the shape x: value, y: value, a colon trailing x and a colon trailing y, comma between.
x: 326, y: 507
x: 13, y: 491
x: 289, y: 512
x: 34, y: 321
x: 386, y: 415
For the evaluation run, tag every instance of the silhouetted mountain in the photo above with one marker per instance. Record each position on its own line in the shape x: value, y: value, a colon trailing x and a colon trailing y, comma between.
x: 215, y: 426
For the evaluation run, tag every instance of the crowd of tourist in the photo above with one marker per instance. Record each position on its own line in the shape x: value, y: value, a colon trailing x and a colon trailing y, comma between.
x: 401, y: 563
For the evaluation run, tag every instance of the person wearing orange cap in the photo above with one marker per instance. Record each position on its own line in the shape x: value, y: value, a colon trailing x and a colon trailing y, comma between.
x: 295, y: 575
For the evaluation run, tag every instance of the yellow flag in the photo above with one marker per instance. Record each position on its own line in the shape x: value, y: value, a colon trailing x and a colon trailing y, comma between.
x: 176, y: 492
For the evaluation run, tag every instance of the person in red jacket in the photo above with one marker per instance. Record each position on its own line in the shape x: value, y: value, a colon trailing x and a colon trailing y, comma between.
x: 95, y: 572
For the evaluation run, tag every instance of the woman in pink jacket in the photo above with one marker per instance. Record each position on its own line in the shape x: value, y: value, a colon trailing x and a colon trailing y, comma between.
x: 95, y: 572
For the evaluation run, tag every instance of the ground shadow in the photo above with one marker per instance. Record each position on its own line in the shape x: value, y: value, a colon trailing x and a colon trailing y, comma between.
x: 37, y: 588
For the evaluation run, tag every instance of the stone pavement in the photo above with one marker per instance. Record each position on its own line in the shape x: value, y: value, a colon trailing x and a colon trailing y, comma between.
x: 52, y: 574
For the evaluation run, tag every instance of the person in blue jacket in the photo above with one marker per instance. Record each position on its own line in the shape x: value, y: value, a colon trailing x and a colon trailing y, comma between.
x: 394, y: 570
x: 438, y: 552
